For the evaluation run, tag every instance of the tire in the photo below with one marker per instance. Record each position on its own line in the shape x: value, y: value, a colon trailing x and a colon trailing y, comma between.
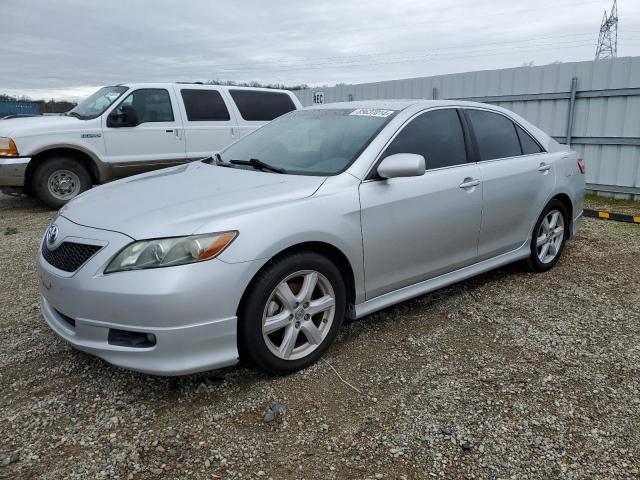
x: 296, y: 336
x: 57, y: 180
x: 544, y: 257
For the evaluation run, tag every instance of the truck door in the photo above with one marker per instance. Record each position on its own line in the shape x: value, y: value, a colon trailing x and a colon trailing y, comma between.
x: 208, y: 124
x: 157, y: 138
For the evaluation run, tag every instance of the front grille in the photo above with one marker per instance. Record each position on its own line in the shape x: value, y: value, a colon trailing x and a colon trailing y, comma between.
x: 69, y: 256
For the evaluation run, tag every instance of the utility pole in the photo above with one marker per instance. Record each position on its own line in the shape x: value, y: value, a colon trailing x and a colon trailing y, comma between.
x: 608, y: 38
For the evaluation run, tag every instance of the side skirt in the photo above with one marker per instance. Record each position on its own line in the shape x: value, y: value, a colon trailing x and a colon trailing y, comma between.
x: 426, y: 286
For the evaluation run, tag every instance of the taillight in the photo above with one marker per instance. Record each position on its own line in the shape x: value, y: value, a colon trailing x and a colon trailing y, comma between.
x: 581, y: 166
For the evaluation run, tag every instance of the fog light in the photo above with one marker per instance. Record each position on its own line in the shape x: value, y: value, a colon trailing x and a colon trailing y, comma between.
x: 126, y: 338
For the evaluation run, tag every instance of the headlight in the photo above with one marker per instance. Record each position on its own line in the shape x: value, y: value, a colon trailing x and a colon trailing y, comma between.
x: 8, y: 147
x: 168, y: 252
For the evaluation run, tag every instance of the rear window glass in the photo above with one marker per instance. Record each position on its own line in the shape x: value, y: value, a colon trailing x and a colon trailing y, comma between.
x: 204, y: 106
x: 495, y: 134
x: 261, y: 106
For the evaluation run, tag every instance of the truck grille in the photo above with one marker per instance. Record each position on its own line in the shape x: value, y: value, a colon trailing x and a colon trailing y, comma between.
x: 69, y: 256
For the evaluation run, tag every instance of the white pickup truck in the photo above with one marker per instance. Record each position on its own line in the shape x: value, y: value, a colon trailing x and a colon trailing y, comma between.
x: 127, y: 129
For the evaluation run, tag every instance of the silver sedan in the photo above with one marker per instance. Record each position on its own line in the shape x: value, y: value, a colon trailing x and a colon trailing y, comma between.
x: 337, y: 210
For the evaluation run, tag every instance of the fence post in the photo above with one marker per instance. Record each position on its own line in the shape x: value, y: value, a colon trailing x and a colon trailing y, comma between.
x: 434, y: 93
x: 572, y: 104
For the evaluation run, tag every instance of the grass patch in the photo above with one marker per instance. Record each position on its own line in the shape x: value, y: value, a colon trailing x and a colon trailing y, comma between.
x: 614, y: 205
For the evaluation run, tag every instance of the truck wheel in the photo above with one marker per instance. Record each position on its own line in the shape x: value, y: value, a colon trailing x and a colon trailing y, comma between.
x: 57, y: 180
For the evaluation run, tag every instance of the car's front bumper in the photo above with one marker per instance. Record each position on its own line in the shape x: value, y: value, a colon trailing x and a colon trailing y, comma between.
x: 190, y: 309
x: 13, y: 171
x: 178, y: 350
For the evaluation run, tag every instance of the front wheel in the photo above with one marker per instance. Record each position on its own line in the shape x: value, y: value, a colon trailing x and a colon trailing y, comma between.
x: 549, y: 236
x: 57, y: 180
x: 292, y: 312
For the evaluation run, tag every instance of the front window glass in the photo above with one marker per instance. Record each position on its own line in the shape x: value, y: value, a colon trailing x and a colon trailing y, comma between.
x: 311, y: 142
x: 150, y: 105
x: 437, y: 136
x: 96, y: 104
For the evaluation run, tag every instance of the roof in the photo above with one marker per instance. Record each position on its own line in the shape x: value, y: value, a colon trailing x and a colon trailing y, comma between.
x: 399, y: 104
x: 197, y: 85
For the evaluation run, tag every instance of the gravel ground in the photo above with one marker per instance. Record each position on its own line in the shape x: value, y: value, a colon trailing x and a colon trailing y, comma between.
x: 507, y: 375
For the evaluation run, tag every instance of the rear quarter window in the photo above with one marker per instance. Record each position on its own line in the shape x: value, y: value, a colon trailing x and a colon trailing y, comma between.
x: 261, y: 106
x: 529, y: 145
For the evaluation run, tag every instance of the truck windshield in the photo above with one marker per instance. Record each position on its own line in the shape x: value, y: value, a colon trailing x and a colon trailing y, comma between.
x: 97, y: 103
x: 309, y: 142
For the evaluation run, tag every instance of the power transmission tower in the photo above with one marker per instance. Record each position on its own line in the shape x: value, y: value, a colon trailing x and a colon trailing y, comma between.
x: 608, y: 38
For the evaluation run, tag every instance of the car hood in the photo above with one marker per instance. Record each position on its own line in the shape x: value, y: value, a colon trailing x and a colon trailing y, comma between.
x: 20, y: 127
x: 179, y: 200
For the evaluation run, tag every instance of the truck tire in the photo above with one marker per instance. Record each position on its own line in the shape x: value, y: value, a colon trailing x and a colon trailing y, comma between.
x: 57, y: 180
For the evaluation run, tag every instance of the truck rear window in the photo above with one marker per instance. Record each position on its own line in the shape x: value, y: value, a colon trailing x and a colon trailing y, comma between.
x: 261, y: 106
x: 204, y: 105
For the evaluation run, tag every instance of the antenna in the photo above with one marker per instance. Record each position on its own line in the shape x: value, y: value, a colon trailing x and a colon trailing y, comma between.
x: 608, y: 38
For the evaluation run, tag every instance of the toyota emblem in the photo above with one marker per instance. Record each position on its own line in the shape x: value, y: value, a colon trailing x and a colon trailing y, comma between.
x: 52, y: 234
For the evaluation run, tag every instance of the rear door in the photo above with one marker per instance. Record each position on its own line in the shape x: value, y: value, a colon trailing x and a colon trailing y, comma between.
x: 417, y: 228
x: 208, y: 124
x: 518, y: 176
x: 157, y: 140
x: 257, y: 107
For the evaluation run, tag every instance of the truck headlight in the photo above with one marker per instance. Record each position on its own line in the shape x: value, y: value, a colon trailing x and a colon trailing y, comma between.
x: 8, y: 147
x: 168, y: 252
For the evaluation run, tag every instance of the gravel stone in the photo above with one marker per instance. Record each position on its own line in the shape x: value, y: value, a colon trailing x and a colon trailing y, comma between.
x: 538, y: 373
x: 8, y: 457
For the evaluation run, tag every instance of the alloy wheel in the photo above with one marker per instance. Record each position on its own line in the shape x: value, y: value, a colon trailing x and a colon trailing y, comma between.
x: 298, y: 314
x: 550, y: 236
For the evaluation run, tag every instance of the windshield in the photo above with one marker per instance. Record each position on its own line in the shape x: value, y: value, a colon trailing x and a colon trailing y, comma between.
x: 311, y: 142
x: 97, y: 103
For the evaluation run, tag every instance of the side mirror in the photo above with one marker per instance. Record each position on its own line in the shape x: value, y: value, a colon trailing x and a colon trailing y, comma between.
x: 402, y: 165
x: 128, y: 117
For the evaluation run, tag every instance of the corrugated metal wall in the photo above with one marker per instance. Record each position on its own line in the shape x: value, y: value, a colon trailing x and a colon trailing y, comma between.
x: 18, y: 107
x: 606, y: 114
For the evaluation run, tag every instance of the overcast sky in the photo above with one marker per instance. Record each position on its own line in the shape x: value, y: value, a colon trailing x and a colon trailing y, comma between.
x: 68, y: 48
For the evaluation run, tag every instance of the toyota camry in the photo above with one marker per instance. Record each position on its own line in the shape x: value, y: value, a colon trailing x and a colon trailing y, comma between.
x: 333, y: 211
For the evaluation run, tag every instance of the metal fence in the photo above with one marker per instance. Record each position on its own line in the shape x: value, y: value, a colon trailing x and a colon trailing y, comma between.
x: 592, y: 106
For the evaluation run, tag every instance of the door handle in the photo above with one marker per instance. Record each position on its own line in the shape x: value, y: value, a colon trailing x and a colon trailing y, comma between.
x: 469, y: 182
x: 544, y: 167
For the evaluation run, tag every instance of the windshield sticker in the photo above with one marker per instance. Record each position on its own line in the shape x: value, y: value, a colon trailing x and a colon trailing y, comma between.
x: 372, y: 112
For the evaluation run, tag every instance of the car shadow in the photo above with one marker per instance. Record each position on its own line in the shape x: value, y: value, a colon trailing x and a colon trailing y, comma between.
x: 24, y: 203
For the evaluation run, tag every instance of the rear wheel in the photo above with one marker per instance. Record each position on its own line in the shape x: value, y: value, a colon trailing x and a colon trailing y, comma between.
x: 292, y: 312
x: 549, y: 236
x: 57, y: 180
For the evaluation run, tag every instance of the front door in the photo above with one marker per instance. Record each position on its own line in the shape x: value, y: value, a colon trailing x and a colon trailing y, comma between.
x: 417, y: 228
x: 156, y: 140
